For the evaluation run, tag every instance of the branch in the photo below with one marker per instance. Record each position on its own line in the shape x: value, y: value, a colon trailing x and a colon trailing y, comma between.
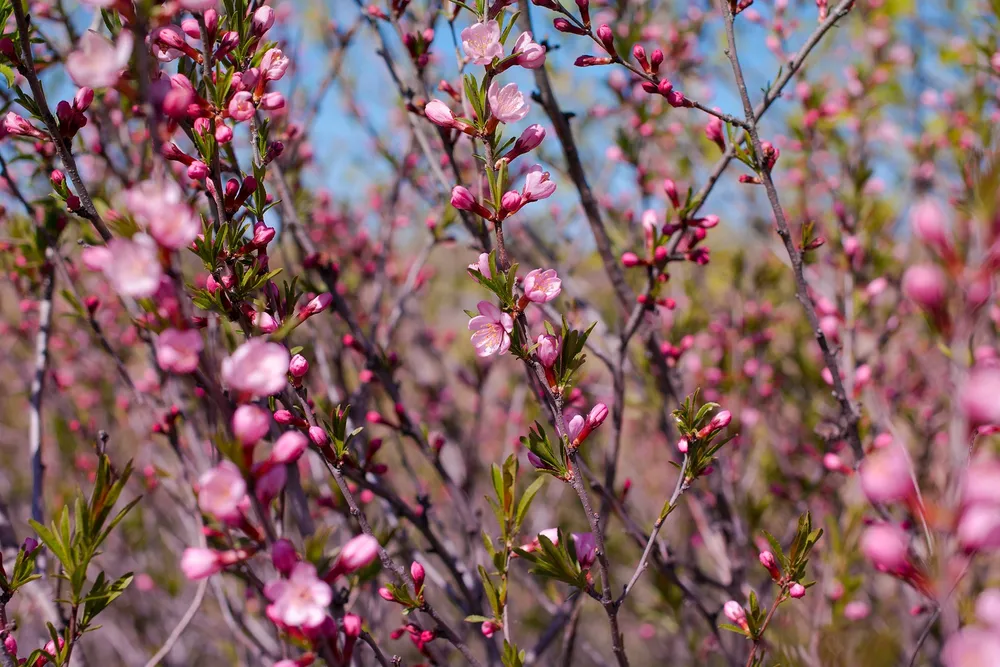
x: 65, y: 153
x: 849, y: 413
x: 38, y: 388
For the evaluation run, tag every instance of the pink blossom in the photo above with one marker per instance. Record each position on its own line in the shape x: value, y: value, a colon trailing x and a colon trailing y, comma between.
x: 482, y: 265
x: 885, y: 475
x: 273, y: 65
x: 200, y: 563
x: 132, y: 266
x: 856, y: 611
x: 491, y: 330
x: 257, y: 367
x: 96, y: 62
x: 250, y: 424
x: 301, y: 600
x: 221, y: 490
x: 971, y: 647
x: 585, y: 545
x: 537, y: 185
x: 547, y: 350
x: 734, y: 611
x: 979, y: 528
x: 167, y: 43
x: 272, y: 101
x: 542, y: 286
x: 507, y: 103
x: 199, y: 5
x: 298, y: 366
x: 930, y: 223
x: 481, y: 42
x: 988, y: 608
x: 177, y: 351
x: 284, y: 556
x: 289, y: 447
x: 160, y: 206
x: 886, y: 546
x: 797, y: 591
x: 530, y: 54
x: 241, y: 106
x: 359, y: 552
x: 575, y: 427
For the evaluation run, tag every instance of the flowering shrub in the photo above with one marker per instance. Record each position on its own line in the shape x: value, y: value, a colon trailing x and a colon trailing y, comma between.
x: 726, y: 390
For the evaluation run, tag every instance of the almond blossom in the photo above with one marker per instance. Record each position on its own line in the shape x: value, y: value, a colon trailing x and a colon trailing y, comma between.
x: 507, y: 103
x: 481, y: 42
x: 491, y: 330
x: 257, y: 367
x: 97, y: 62
x: 301, y: 600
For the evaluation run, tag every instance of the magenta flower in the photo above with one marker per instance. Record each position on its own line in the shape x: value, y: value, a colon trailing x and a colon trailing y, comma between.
x: 257, y: 367
x: 177, y: 351
x: 537, y: 185
x: 542, y: 286
x: 221, y: 491
x: 299, y: 601
x: 97, y: 62
x: 530, y: 54
x: 491, y: 330
x: 481, y: 42
x: 507, y: 103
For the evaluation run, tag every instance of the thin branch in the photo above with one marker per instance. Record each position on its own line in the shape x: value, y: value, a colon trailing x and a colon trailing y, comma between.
x: 182, y: 625
x: 849, y: 413
x: 38, y: 388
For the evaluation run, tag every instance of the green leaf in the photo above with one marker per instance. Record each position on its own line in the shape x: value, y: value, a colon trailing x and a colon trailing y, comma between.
x: 525, y: 503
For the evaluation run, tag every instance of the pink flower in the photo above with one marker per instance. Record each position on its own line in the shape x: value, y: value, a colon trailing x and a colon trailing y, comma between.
x: 491, y: 330
x: 263, y: 19
x: 886, y: 546
x: 575, y: 427
x: 461, y: 198
x: 979, y: 528
x: 289, y: 447
x: 132, y: 266
x: 530, y: 139
x: 507, y: 103
x: 482, y: 265
x: 167, y: 43
x: 273, y: 65
x: 734, y: 611
x: 298, y: 366
x: 530, y: 54
x: 547, y: 350
x: 885, y: 475
x: 177, y: 351
x: 221, y: 490
x: 257, y: 367
x: 299, y: 601
x: 283, y: 556
x: 317, y: 304
x: 481, y: 42
x: 585, y: 545
x: 971, y: 647
x: 856, y: 611
x: 438, y: 113
x: 250, y: 424
x: 542, y: 286
x: 537, y: 185
x: 96, y: 62
x: 359, y: 552
x: 160, y: 206
x: 797, y: 591
x: 200, y: 563
x: 241, y: 106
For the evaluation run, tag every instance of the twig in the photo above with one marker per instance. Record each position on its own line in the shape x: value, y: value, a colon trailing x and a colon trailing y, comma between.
x: 368, y: 639
x: 65, y: 154
x: 38, y: 388
x: 849, y: 413
x: 182, y: 625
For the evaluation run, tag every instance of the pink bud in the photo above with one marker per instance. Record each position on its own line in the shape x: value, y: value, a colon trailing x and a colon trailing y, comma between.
x: 462, y: 199
x: 734, y: 611
x: 10, y: 644
x: 386, y: 595
x: 289, y: 447
x: 770, y: 563
x: 925, y: 285
x: 351, y: 623
x: 885, y: 475
x: 721, y: 420
x: 283, y: 556
x: 979, y: 397
x: 511, y: 201
x: 886, y: 546
x: 797, y: 591
x: 417, y: 574
x: 197, y: 171
x: 318, y: 304
x: 547, y: 350
x: 318, y: 435
x: 283, y: 417
x: 200, y: 563
x: 438, y: 113
x: 359, y: 552
x: 630, y: 259
x: 250, y: 424
x: 597, y: 415
x: 83, y: 99
x: 262, y: 21
x: 298, y: 366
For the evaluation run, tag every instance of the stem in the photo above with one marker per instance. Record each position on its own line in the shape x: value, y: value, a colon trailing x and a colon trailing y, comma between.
x: 38, y: 388
x: 767, y: 620
x: 610, y: 607
x: 849, y: 416
x: 680, y: 487
x: 38, y: 93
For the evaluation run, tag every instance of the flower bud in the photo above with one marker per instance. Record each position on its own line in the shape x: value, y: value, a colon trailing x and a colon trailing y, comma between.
x: 770, y: 564
x: 318, y: 436
x: 547, y: 350
x: 250, y: 424
x: 925, y: 285
x: 417, y: 573
x: 630, y: 259
x: 283, y: 556
x: 461, y: 198
x: 734, y: 611
x: 298, y: 366
x: 289, y: 447
x: 797, y: 591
